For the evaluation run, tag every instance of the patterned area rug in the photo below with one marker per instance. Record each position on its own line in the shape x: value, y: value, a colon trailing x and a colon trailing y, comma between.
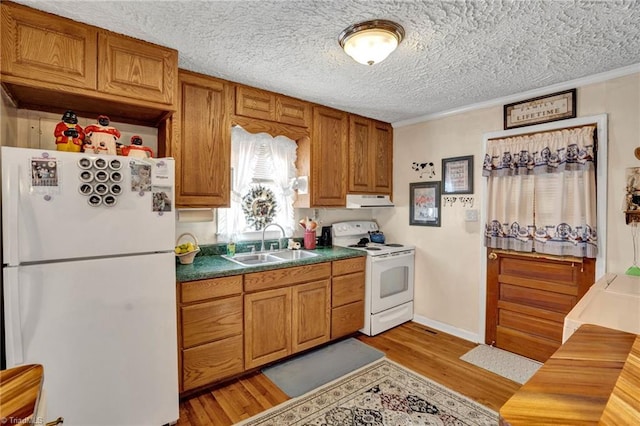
x: 506, y: 364
x: 382, y: 393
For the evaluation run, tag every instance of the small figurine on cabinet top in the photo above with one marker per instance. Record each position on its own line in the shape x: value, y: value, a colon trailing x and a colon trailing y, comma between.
x: 69, y: 135
x: 101, y: 137
x: 136, y: 149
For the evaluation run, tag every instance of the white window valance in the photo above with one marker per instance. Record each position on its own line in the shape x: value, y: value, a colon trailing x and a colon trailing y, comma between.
x: 542, y: 192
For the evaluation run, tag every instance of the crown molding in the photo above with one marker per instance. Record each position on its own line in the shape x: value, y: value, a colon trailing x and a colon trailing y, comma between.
x: 584, y: 81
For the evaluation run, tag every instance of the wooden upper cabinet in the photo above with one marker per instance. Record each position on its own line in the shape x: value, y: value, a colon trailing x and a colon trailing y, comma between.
x: 382, y: 157
x: 370, y: 156
x: 264, y: 105
x: 51, y: 63
x: 128, y: 67
x: 360, y: 166
x: 255, y: 103
x: 45, y: 47
x: 293, y: 111
x: 329, y: 157
x: 201, y: 142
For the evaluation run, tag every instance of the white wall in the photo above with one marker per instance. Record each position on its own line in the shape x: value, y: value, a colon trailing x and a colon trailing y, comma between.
x: 206, y: 231
x: 448, y: 258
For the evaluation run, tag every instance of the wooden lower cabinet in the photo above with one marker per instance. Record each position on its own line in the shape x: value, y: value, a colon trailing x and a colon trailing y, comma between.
x: 233, y: 324
x: 347, y: 297
x: 284, y: 321
x: 210, y: 334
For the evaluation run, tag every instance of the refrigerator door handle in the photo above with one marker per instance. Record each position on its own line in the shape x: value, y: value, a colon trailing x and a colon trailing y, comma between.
x: 13, y: 209
x: 13, y: 326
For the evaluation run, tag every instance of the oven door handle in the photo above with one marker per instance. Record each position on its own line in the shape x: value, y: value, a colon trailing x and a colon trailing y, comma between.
x: 392, y: 256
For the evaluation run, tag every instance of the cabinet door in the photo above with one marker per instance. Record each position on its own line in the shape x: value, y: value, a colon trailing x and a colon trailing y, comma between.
x: 311, y: 319
x: 293, y: 111
x: 329, y: 157
x: 201, y: 142
x: 255, y: 103
x: 370, y: 156
x: 360, y: 165
x: 267, y: 319
x: 382, y: 157
x: 44, y: 47
x: 135, y: 69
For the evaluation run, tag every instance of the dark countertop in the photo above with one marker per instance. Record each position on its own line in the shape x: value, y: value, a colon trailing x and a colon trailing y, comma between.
x: 213, y: 266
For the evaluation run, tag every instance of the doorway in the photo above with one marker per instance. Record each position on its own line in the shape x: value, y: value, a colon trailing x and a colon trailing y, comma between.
x: 512, y: 280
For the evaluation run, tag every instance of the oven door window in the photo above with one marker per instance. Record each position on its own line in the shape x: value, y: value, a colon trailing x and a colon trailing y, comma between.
x: 394, y: 281
x: 391, y: 281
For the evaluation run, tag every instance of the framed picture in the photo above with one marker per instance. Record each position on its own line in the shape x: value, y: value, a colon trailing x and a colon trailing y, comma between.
x: 557, y: 106
x: 425, y: 203
x: 457, y: 175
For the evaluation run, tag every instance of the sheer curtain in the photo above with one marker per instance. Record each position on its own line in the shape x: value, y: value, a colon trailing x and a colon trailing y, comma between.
x: 283, y: 157
x: 542, y: 192
x: 260, y: 159
x: 244, y: 146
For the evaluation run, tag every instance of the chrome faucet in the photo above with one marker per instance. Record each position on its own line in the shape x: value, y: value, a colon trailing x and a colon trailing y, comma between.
x: 265, y: 228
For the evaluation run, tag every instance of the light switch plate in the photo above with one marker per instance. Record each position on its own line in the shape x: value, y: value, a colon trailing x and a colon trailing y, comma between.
x: 471, y: 215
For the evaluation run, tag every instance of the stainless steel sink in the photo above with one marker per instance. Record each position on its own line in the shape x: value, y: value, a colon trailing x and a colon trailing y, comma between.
x: 293, y: 254
x: 266, y: 258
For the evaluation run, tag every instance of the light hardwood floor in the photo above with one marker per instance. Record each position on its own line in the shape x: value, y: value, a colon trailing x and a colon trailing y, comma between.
x: 431, y: 353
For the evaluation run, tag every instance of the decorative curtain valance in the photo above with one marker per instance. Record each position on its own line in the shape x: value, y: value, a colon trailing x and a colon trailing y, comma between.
x: 542, y: 192
x: 546, y: 152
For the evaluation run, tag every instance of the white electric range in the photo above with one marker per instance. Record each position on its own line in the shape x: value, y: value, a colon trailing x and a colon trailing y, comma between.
x: 389, y: 275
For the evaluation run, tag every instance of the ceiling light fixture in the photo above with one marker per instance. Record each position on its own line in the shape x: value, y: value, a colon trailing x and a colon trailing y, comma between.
x: 371, y: 42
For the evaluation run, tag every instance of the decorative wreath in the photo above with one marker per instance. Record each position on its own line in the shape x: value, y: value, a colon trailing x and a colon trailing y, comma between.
x: 259, y: 207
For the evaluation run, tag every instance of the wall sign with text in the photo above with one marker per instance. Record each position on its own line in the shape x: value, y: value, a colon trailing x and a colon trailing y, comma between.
x: 557, y: 106
x: 457, y: 175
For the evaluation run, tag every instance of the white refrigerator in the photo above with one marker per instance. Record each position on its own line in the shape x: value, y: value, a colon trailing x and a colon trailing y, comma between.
x: 89, y: 283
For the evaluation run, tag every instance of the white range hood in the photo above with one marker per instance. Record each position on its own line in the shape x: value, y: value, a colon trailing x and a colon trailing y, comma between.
x: 360, y: 201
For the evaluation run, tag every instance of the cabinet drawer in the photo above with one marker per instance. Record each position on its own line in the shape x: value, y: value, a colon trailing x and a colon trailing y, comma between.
x: 194, y: 291
x: 348, y: 266
x: 347, y: 319
x: 205, y: 322
x: 208, y: 363
x: 286, y: 276
x: 347, y: 289
x: 548, y: 300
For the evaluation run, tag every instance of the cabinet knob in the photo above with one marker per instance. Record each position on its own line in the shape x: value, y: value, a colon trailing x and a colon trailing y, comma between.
x: 493, y: 256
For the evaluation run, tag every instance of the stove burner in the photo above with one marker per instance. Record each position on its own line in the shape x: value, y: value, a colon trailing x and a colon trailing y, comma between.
x: 358, y: 245
x: 373, y: 248
x: 393, y: 245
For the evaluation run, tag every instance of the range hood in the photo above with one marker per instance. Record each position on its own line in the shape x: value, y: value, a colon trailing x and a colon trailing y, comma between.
x: 360, y: 201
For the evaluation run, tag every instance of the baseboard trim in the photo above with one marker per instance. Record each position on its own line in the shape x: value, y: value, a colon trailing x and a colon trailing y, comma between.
x: 447, y: 328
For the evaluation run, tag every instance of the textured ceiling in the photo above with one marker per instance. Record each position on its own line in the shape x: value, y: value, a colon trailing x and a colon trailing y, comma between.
x: 455, y: 53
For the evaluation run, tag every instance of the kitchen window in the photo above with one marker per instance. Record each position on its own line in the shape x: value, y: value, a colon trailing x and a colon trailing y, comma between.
x: 263, y: 168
